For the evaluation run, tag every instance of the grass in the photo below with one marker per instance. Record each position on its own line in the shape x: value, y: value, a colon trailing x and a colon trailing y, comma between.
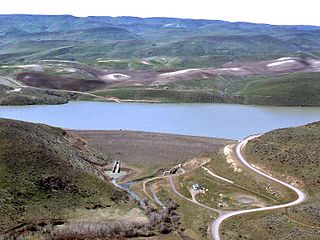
x: 218, y: 192
x: 194, y: 219
x: 45, y: 176
x: 291, y: 151
x: 290, y: 89
x: 162, y: 95
x: 248, y: 181
x: 290, y: 154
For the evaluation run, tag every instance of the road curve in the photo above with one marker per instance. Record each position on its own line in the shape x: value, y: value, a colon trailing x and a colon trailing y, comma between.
x: 215, y: 227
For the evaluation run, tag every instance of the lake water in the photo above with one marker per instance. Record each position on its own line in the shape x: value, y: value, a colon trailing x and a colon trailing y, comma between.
x: 212, y: 120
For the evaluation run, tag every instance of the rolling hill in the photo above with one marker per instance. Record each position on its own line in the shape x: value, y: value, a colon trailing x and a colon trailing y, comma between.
x: 158, y: 59
x: 157, y: 37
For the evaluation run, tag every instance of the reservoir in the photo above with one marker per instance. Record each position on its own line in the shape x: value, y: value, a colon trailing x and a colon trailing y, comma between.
x: 211, y: 120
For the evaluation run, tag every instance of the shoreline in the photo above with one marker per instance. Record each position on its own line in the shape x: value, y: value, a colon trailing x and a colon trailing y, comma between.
x: 147, y: 101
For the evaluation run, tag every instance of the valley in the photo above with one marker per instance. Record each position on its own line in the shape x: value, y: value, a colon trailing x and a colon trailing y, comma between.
x: 229, y: 184
x: 158, y: 129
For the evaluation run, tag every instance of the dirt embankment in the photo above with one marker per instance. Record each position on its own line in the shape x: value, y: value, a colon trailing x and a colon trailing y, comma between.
x: 149, y: 148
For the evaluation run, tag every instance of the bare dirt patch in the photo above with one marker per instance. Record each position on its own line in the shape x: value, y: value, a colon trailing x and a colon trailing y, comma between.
x: 230, y: 157
x: 150, y: 150
x: 55, y: 82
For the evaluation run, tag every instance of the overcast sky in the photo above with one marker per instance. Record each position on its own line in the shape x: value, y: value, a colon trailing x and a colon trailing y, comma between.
x: 259, y: 11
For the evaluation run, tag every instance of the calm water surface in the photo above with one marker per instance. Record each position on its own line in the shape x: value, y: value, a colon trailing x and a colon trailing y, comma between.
x: 212, y: 120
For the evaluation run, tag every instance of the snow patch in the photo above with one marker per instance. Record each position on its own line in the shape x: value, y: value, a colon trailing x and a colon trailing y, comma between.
x: 229, y: 69
x: 146, y: 63
x: 315, y: 62
x: 111, y: 60
x: 174, y: 25
x: 14, y: 90
x: 70, y: 70
x: 27, y: 77
x: 178, y: 72
x: 316, y: 65
x: 115, y: 76
x: 274, y: 64
x: 283, y: 59
x: 235, y: 69
x: 34, y: 67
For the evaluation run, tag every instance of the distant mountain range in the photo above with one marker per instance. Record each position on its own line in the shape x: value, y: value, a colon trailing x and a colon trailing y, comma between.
x: 36, y: 37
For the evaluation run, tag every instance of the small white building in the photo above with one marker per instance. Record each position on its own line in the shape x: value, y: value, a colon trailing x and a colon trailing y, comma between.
x: 196, y: 187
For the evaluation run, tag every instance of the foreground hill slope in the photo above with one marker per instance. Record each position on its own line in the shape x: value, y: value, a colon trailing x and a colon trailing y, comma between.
x: 45, y: 174
x: 293, y: 155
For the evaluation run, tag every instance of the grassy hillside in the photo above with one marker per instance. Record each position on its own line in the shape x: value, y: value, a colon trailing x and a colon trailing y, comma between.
x: 24, y: 37
x: 293, y: 155
x: 292, y: 151
x: 289, y: 89
x: 296, y: 89
x: 32, y: 97
x: 160, y: 95
x: 45, y: 176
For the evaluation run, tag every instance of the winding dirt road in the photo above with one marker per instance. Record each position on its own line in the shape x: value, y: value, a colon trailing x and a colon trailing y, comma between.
x: 301, y: 195
x: 223, y: 215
